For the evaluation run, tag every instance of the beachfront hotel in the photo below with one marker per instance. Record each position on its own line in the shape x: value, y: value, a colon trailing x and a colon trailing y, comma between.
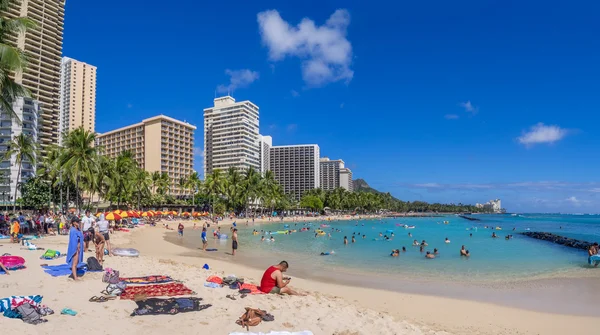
x: 296, y: 168
x: 43, y: 48
x: 28, y: 111
x: 159, y: 143
x: 334, y: 174
x: 266, y: 142
x: 231, y: 137
x: 77, y: 96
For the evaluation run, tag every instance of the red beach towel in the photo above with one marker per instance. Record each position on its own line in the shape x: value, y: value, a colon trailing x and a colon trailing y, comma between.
x: 215, y: 279
x: 253, y: 288
x: 168, y: 290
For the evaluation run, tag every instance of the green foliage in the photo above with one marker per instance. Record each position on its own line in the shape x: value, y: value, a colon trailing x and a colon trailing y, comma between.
x: 313, y: 202
x: 35, y: 193
x: 219, y: 208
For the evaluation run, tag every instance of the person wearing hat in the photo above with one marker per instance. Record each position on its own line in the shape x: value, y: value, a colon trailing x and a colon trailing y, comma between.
x: 15, y: 230
x: 75, y: 248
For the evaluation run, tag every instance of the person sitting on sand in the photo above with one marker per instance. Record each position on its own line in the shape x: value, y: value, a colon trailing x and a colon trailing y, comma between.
x: 447, y: 240
x: 429, y: 255
x: 4, y: 268
x: 273, y: 281
x: 464, y: 252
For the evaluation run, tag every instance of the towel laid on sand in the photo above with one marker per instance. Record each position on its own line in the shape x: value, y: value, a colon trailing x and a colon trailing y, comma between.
x: 167, y: 290
x: 64, y: 269
x: 171, y: 306
x: 157, y: 279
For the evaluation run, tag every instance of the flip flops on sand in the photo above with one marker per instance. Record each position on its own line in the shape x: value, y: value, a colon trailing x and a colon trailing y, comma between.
x: 102, y: 298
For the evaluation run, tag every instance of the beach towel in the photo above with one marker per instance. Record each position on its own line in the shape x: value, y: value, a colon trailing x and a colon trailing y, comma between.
x: 8, y: 305
x: 168, y: 290
x: 171, y: 306
x: 253, y: 289
x: 64, y: 269
x: 306, y: 332
x: 156, y: 279
x: 215, y: 279
x: 75, y: 237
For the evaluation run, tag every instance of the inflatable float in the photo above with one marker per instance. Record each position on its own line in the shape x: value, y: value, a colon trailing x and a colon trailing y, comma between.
x: 125, y: 252
x: 409, y: 227
x: 223, y: 236
x: 498, y: 228
x: 389, y: 231
x: 325, y: 226
x: 12, y: 262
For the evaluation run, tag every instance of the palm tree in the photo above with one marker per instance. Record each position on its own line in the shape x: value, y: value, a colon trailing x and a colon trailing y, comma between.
x: 24, y: 149
x: 252, y: 181
x: 49, y: 168
x: 142, y: 181
x: 193, y: 182
x: 79, y: 157
x: 122, y: 181
x: 214, y: 186
x: 233, y: 187
x: 12, y: 59
x: 105, y: 172
x: 269, y: 190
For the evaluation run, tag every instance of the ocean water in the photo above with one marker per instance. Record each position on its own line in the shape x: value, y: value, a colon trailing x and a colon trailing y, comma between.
x: 493, y: 259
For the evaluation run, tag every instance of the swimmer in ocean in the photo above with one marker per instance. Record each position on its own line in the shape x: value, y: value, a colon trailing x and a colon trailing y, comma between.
x: 447, y: 240
x: 353, y: 240
x: 424, y: 243
x: 262, y: 239
x: 403, y: 249
x: 345, y: 240
x: 429, y: 255
x: 435, y: 251
x: 415, y: 242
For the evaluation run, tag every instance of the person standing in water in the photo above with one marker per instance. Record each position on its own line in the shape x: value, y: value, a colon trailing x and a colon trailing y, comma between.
x: 204, y: 239
x: 234, y: 241
x: 345, y: 239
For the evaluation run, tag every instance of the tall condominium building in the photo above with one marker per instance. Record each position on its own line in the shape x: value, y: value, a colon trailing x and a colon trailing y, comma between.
x: 231, y: 136
x: 296, y: 168
x: 28, y: 111
x: 43, y: 48
x: 334, y: 174
x: 346, y: 179
x: 159, y: 143
x: 266, y: 142
x: 77, y: 96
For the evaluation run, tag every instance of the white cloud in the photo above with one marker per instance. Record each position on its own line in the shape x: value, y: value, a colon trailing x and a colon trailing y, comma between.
x: 540, y: 133
x: 573, y: 200
x: 468, y: 106
x: 238, y: 79
x: 342, y: 105
x: 198, y: 151
x: 451, y: 116
x: 295, y: 93
x: 325, y: 51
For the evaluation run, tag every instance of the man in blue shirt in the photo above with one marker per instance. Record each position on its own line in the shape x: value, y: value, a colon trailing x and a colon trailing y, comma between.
x: 204, y: 240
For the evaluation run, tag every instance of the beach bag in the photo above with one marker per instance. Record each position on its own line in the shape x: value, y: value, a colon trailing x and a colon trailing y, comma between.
x: 111, y: 276
x: 115, y: 289
x: 251, y: 318
x: 50, y: 254
x: 93, y: 264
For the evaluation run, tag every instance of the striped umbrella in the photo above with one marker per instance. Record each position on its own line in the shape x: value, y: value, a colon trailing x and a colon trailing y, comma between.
x: 113, y: 216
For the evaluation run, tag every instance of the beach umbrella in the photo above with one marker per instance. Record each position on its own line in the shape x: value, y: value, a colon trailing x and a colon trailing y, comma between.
x: 147, y: 214
x: 118, y: 211
x: 123, y: 214
x: 133, y: 214
x: 186, y: 214
x: 158, y: 213
x: 175, y: 213
x: 113, y: 216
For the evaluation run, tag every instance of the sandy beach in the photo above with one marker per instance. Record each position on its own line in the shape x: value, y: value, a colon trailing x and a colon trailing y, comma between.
x: 328, y: 309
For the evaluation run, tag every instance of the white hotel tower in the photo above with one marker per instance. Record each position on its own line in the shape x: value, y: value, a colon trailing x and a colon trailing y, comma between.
x: 231, y: 136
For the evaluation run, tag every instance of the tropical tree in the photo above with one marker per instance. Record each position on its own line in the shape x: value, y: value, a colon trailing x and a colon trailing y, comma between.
x: 233, y: 188
x: 79, y: 157
x: 35, y: 193
x: 193, y: 183
x: 142, y: 181
x: 24, y: 149
x: 214, y: 187
x: 12, y: 59
x: 121, y: 180
x: 251, y: 187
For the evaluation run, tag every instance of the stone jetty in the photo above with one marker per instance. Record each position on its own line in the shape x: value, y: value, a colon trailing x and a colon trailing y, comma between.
x: 562, y: 240
x: 469, y: 218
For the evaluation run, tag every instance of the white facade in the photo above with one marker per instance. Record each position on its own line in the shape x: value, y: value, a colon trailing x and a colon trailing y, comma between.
x: 231, y: 135
x: 28, y: 111
x: 346, y: 179
x: 266, y: 142
x: 77, y: 105
x: 494, y: 206
x: 296, y: 168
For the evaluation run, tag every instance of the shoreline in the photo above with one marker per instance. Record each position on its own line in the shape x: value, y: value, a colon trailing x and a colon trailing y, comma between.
x: 348, y: 309
x: 536, y: 294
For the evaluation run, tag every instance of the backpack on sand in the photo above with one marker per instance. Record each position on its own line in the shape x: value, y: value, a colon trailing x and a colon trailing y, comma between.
x: 115, y: 289
x: 252, y: 317
x: 93, y: 264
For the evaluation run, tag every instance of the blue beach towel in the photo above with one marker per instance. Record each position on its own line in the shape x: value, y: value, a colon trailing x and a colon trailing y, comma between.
x: 5, y: 302
x: 64, y: 269
x: 75, y: 236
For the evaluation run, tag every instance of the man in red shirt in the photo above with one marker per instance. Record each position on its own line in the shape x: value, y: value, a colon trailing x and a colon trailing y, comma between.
x: 274, y: 282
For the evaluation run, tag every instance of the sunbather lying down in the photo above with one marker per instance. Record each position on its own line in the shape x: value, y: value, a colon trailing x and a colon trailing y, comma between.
x: 274, y: 282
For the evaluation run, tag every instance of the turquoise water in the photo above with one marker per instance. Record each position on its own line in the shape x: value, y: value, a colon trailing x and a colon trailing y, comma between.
x: 491, y: 258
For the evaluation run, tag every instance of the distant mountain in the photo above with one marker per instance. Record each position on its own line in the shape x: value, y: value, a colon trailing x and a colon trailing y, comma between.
x: 360, y: 185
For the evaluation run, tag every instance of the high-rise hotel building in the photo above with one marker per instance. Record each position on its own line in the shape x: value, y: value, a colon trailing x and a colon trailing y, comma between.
x: 159, y: 143
x: 231, y: 137
x: 43, y: 48
x: 77, y: 96
x: 266, y: 142
x: 296, y: 168
x: 334, y: 174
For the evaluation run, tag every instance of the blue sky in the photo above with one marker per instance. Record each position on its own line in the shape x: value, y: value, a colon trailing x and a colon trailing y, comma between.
x: 449, y: 101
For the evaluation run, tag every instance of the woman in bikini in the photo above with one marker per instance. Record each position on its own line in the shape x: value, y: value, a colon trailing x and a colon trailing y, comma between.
x: 99, y: 241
